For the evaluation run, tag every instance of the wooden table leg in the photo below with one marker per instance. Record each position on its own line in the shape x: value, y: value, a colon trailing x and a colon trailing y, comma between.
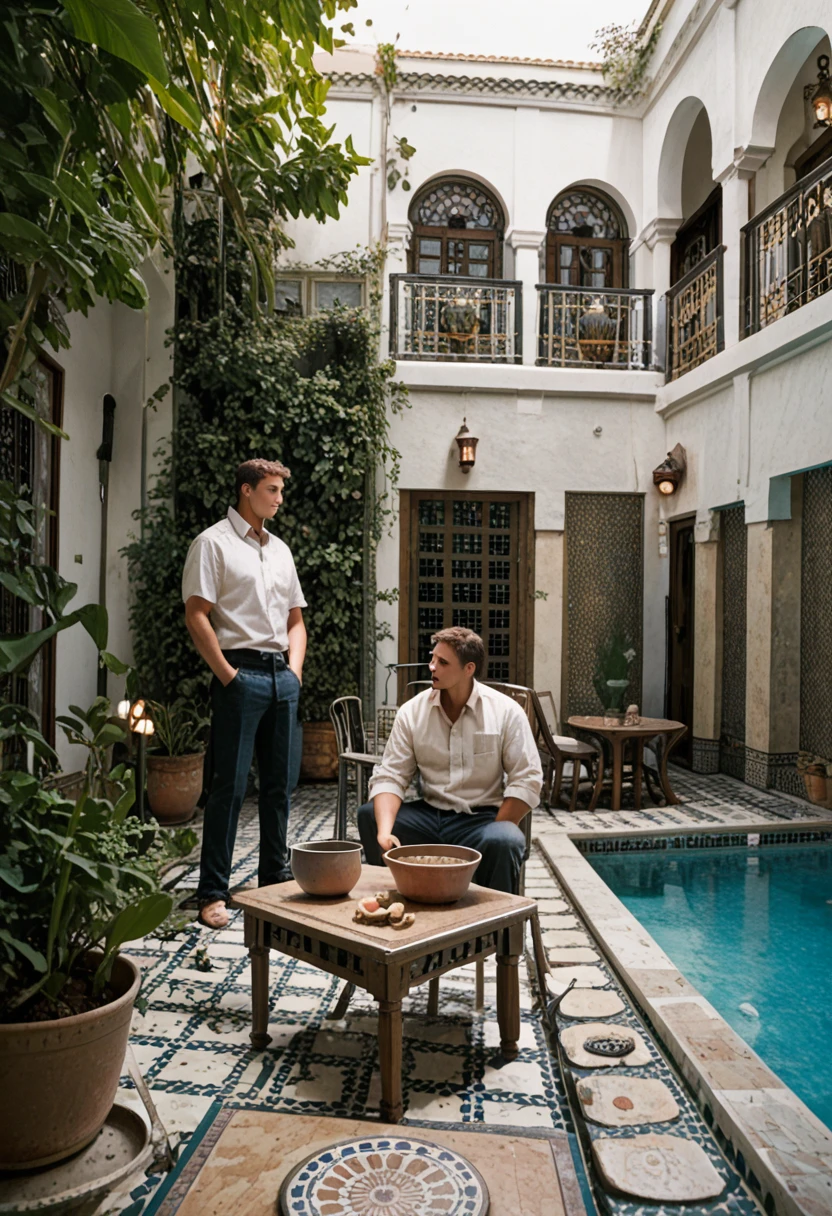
x: 638, y: 768
x: 390, y: 1059
x: 433, y: 998
x: 617, y: 771
x: 669, y: 797
x: 508, y: 1004
x: 259, y: 956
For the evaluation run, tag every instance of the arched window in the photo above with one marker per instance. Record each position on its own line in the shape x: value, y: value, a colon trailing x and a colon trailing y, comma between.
x: 587, y: 241
x: 458, y: 229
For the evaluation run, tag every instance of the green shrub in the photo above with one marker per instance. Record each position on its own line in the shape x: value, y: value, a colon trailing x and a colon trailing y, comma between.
x: 311, y: 392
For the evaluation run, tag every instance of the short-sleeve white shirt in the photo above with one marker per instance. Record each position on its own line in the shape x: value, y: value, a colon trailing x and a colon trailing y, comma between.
x: 252, y: 585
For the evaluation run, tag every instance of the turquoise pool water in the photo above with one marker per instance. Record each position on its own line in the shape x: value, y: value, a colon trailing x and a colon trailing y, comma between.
x: 752, y: 930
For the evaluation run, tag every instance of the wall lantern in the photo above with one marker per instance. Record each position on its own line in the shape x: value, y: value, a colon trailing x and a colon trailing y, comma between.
x: 821, y: 94
x: 467, y: 444
x: 670, y: 472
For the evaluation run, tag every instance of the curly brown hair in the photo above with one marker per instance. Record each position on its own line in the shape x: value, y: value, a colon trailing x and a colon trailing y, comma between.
x: 252, y: 472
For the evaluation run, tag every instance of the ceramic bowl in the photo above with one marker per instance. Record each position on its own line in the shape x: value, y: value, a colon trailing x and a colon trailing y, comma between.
x: 432, y: 884
x: 326, y: 867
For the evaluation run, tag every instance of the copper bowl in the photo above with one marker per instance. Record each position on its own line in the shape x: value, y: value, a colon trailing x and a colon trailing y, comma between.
x: 432, y: 884
x: 326, y: 867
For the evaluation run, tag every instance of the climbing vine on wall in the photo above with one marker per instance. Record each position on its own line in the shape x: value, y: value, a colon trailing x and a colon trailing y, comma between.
x: 309, y: 391
x: 625, y: 55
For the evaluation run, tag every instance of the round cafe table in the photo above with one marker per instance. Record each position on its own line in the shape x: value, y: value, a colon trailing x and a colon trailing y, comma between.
x: 618, y: 736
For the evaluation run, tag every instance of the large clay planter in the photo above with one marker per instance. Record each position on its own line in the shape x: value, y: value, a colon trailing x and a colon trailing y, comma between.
x: 174, y: 784
x: 59, y: 1079
x: 319, y: 761
x: 817, y: 785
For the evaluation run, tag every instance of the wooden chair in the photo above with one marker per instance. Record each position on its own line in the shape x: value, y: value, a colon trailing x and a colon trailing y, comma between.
x: 347, y: 717
x: 565, y: 757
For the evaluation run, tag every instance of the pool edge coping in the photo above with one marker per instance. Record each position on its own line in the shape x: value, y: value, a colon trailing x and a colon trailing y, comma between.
x: 636, y: 958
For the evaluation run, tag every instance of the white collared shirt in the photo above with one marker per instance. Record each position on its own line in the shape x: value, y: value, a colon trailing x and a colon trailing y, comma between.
x: 487, y: 755
x: 253, y: 584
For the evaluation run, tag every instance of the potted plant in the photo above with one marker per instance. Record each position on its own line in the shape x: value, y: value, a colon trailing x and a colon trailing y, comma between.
x: 817, y: 778
x: 78, y: 878
x: 176, y: 761
x: 612, y: 675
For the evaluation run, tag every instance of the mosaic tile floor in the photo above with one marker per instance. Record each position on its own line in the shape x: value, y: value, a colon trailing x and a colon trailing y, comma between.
x: 192, y: 1044
x: 705, y: 799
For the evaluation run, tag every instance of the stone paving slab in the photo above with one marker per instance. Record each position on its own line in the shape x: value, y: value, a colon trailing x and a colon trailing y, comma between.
x: 572, y: 1040
x: 622, y: 1101
x: 658, y: 1168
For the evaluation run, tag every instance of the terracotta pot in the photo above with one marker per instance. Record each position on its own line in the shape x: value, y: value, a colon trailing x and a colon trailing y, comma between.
x: 326, y: 867
x: 432, y: 884
x: 319, y: 761
x: 174, y: 784
x: 815, y: 780
x: 59, y: 1079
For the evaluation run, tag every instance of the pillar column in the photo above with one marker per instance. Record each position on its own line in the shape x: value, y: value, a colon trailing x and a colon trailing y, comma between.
x: 527, y: 244
x: 772, y: 683
x: 707, y: 645
x: 398, y: 243
x: 734, y: 181
x: 658, y: 236
x: 548, y: 614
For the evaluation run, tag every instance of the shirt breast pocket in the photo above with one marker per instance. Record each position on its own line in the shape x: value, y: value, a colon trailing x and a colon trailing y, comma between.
x: 485, y: 744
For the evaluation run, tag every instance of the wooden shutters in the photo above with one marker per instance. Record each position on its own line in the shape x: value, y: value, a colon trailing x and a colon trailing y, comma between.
x: 468, y: 561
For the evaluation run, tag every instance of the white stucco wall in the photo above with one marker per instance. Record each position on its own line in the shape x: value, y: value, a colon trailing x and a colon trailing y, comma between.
x: 729, y: 81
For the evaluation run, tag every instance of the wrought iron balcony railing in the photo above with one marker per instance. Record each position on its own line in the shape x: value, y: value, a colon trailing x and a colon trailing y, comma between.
x: 788, y: 251
x: 579, y: 327
x: 469, y: 320
x: 695, y: 317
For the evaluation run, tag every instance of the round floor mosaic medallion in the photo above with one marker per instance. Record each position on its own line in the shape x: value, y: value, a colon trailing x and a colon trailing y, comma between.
x: 384, y: 1176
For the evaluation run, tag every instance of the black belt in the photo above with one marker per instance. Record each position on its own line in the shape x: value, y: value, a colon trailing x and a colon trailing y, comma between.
x: 269, y: 660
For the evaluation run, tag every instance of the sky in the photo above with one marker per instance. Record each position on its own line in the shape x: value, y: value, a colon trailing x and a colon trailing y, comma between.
x: 544, y: 29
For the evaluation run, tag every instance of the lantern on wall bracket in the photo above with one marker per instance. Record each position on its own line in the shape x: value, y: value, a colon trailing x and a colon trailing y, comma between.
x: 467, y: 444
x: 820, y: 94
x: 670, y: 472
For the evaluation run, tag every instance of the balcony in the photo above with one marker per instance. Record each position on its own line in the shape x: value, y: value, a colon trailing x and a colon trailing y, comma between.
x: 695, y: 316
x: 464, y: 320
x: 788, y: 251
x: 578, y: 327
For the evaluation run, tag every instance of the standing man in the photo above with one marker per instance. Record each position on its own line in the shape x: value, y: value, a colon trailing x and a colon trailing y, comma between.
x: 243, y: 609
x: 479, y: 764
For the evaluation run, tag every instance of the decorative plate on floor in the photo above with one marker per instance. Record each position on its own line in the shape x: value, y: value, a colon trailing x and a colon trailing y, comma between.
x: 384, y: 1176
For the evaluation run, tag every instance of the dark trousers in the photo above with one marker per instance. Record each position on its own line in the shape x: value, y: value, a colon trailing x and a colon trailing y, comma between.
x: 256, y: 712
x: 502, y: 844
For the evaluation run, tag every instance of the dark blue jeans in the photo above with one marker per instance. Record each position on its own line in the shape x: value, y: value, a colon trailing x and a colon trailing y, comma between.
x: 256, y: 712
x: 502, y: 844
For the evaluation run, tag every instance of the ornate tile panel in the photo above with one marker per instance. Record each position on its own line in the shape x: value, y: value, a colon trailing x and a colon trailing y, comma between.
x: 605, y: 589
x: 734, y: 580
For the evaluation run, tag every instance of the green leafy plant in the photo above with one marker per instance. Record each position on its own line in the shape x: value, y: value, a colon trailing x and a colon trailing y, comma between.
x: 38, y: 585
x: 387, y: 72
x: 311, y: 392
x: 181, y: 730
x: 74, y: 877
x: 103, y: 116
x: 613, y: 663
x: 625, y: 55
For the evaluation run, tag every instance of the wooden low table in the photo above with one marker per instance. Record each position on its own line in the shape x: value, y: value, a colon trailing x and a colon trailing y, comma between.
x: 647, y: 728
x: 386, y: 962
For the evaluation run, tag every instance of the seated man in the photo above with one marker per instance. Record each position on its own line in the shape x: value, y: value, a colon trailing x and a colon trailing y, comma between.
x: 478, y: 762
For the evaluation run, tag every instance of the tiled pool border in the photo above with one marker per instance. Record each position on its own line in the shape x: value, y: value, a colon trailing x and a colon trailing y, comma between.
x: 706, y: 839
x: 781, y: 1147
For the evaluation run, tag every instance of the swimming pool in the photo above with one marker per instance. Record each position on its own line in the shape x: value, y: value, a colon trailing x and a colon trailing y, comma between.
x: 752, y: 930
